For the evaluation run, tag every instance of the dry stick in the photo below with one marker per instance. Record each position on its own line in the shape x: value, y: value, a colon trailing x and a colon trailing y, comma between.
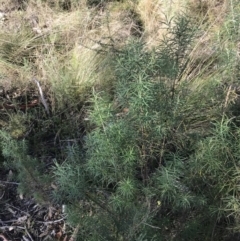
x: 2, y: 195
x: 227, y: 98
x: 18, y: 210
x: 152, y: 226
x: 11, y: 227
x: 51, y: 222
x: 74, y: 235
x: 28, y: 234
x: 5, y: 227
x: 3, y: 237
x: 15, y: 183
x: 44, y: 102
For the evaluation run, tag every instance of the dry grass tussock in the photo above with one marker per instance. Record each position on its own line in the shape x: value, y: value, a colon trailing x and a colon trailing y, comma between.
x: 59, y: 47
x: 49, y: 43
x: 215, y: 53
x: 204, y: 58
x: 154, y: 13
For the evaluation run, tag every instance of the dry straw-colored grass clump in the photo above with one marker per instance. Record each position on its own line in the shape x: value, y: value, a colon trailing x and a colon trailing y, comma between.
x: 52, y: 43
x: 155, y: 14
x: 60, y: 46
x: 204, y: 58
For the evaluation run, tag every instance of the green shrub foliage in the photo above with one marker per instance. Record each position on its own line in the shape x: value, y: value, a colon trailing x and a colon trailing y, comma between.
x: 159, y: 161
x: 31, y: 171
x: 132, y: 175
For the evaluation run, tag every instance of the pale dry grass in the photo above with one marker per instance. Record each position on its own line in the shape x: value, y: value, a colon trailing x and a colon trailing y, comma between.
x: 66, y: 61
x: 154, y: 14
x: 211, y: 11
x: 65, y: 55
x: 58, y: 59
x: 203, y: 63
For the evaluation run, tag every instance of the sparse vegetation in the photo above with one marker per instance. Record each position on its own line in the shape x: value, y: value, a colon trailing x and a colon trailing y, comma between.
x: 141, y: 138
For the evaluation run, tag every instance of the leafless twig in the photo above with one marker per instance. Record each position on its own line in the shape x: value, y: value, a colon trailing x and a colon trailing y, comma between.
x: 3, y: 237
x: 18, y: 209
x: 11, y: 227
x: 28, y: 234
x: 15, y: 183
x: 227, y: 96
x: 51, y: 222
x: 74, y: 235
x: 2, y: 195
x: 44, y: 102
x: 152, y: 226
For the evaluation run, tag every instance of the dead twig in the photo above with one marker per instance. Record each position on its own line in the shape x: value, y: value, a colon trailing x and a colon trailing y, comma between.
x: 28, y: 234
x: 74, y: 235
x: 227, y: 96
x: 15, y: 183
x: 51, y: 222
x: 18, y: 210
x: 3, y: 237
x: 152, y: 226
x: 44, y: 102
x: 10, y: 227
